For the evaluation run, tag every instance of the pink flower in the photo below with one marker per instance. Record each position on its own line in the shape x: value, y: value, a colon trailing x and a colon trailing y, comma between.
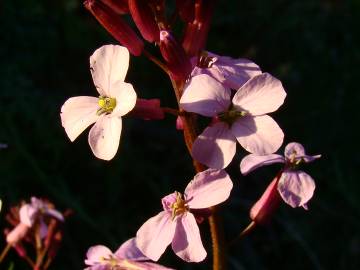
x: 241, y: 119
x: 177, y: 224
x: 232, y: 73
x: 295, y: 186
x: 128, y: 256
x: 108, y: 67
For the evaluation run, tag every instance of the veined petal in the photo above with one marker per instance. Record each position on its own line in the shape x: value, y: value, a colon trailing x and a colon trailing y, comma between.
x: 108, y: 65
x: 104, y: 137
x: 215, y: 147
x: 208, y: 188
x: 187, y: 240
x: 253, y: 161
x: 206, y: 96
x: 260, y: 135
x: 77, y: 114
x: 296, y: 188
x: 155, y: 235
x: 95, y: 254
x: 260, y: 95
x: 129, y: 250
x: 125, y: 96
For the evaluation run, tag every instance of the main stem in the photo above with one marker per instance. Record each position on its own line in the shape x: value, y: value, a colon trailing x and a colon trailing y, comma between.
x: 216, y: 230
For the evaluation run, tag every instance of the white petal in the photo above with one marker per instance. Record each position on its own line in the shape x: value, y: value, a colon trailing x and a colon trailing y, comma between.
x: 206, y: 96
x: 77, y: 114
x: 109, y: 65
x: 104, y: 137
x: 261, y: 94
x: 125, y: 96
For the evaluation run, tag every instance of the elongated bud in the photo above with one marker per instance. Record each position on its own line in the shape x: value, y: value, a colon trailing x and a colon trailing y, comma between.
x: 115, y: 25
x: 144, y: 19
x: 20, y: 250
x: 197, y: 31
x: 17, y: 234
x: 175, y: 56
x: 186, y: 10
x: 264, y: 208
x: 119, y: 6
x: 179, y: 123
x: 148, y: 109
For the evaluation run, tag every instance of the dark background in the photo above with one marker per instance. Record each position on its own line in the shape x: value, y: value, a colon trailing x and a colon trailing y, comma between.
x: 312, y: 46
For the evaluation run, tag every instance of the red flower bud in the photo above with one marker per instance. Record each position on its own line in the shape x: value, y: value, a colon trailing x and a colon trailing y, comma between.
x: 148, y: 109
x: 264, y: 208
x: 119, y: 6
x: 177, y: 60
x: 144, y: 19
x: 115, y: 25
x: 196, y: 31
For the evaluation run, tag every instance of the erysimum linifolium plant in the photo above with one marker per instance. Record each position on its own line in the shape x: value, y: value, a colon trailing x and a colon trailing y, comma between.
x: 234, y: 93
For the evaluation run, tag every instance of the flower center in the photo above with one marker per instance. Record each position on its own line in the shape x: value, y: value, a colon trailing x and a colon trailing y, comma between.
x: 112, y: 261
x: 205, y: 61
x: 294, y: 162
x: 106, y: 104
x: 230, y: 116
x: 179, y: 206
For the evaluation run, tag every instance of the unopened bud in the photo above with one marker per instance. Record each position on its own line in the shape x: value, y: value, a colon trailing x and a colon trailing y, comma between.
x: 148, y: 109
x: 17, y: 234
x: 115, y: 25
x: 119, y: 6
x: 144, y: 19
x: 20, y: 250
x: 175, y: 56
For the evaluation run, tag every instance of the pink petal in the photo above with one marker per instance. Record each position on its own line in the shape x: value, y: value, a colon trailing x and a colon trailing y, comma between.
x: 208, y: 188
x: 54, y: 213
x: 187, y: 240
x: 252, y: 162
x: 155, y: 235
x: 260, y: 95
x: 296, y: 188
x: 17, y: 234
x: 28, y: 214
x: 168, y: 200
x: 206, y: 96
x: 77, y: 114
x: 108, y: 65
x: 43, y: 231
x: 125, y: 96
x: 95, y: 254
x: 129, y: 265
x: 297, y: 151
x: 129, y: 250
x: 104, y: 137
x: 215, y: 147
x: 260, y: 135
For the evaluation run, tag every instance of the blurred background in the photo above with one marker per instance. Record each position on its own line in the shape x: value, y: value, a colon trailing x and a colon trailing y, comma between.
x: 311, y: 46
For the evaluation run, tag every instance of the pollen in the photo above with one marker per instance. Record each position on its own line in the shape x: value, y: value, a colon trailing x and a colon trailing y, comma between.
x: 179, y: 206
x: 106, y: 105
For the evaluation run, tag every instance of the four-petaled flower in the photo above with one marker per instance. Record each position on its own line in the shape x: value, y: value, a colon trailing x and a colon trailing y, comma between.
x: 128, y: 256
x: 176, y: 224
x: 244, y: 118
x: 295, y: 186
x: 108, y: 67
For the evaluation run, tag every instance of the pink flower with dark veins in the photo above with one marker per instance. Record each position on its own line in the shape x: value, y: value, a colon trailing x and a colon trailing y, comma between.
x: 176, y: 224
x: 295, y: 186
x: 108, y: 66
x: 232, y: 73
x: 128, y: 256
x: 243, y: 118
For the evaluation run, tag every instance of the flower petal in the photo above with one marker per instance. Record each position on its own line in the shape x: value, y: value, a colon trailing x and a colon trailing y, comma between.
x: 77, y: 114
x: 296, y: 188
x: 129, y: 250
x: 260, y: 95
x: 260, y: 135
x: 297, y: 151
x: 252, y: 162
x: 215, y: 147
x: 54, y: 213
x: 95, y: 254
x: 187, y: 240
x: 108, y: 65
x: 129, y: 265
x: 208, y: 188
x: 28, y: 214
x: 125, y: 96
x: 206, y: 96
x: 155, y: 235
x: 104, y: 137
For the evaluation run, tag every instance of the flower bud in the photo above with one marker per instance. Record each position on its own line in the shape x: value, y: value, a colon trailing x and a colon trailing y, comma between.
x: 263, y: 209
x: 196, y: 31
x: 175, y: 56
x: 119, y: 6
x: 144, y: 19
x: 148, y: 109
x: 17, y: 234
x: 20, y: 250
x: 115, y: 25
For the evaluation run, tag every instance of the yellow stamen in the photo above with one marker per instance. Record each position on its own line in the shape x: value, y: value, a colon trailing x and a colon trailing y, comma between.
x: 179, y: 206
x: 106, y: 104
